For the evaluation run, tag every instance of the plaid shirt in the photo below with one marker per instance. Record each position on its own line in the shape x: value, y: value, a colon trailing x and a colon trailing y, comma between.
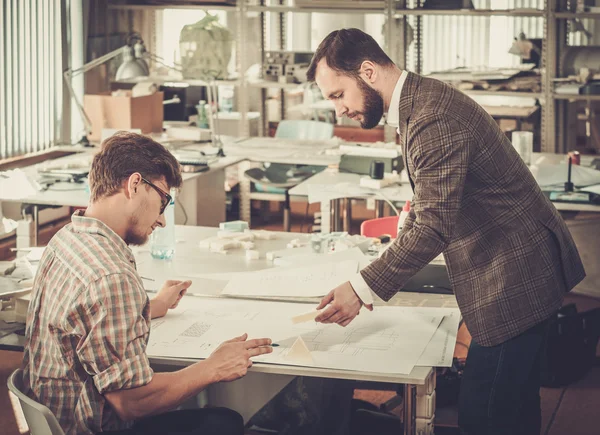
x: 87, y: 327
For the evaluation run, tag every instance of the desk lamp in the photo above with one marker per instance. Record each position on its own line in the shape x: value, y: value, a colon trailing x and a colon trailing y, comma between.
x: 211, y: 93
x: 133, y: 65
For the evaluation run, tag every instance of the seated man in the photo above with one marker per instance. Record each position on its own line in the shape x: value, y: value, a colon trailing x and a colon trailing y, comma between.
x: 89, y: 318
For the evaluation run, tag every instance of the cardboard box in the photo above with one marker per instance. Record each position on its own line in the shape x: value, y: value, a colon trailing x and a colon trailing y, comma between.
x: 124, y: 112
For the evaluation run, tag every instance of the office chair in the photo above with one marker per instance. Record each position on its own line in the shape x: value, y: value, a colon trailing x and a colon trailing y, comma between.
x: 279, y: 178
x: 377, y: 227
x: 40, y: 419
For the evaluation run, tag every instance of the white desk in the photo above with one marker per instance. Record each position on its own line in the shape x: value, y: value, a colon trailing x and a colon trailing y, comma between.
x: 397, y: 194
x: 202, y: 197
x: 340, y: 216
x: 273, y: 150
x: 190, y: 258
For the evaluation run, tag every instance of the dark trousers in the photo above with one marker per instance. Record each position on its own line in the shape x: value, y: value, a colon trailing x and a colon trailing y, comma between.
x: 500, y: 389
x: 205, y: 421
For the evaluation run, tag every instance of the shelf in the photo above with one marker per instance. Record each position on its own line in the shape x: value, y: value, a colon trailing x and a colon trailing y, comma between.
x: 401, y: 12
x: 273, y: 85
x: 191, y: 82
x: 118, y: 6
x: 576, y: 97
x: 573, y: 15
x: 505, y: 93
x: 306, y: 10
x: 474, y: 12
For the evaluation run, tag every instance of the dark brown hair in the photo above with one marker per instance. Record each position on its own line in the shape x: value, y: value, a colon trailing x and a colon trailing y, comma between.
x: 345, y: 50
x: 125, y: 153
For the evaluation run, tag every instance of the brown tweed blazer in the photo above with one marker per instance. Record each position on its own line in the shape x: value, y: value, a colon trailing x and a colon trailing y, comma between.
x: 509, y: 254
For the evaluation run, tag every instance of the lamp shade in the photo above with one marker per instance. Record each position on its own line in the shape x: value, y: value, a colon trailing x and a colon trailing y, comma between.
x: 131, y: 67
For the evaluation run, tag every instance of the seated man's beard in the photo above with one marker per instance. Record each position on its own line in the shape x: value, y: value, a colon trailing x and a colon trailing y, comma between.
x: 373, y: 105
x: 133, y: 238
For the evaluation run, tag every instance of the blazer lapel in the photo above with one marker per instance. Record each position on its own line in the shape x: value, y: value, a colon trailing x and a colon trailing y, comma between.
x: 405, y: 109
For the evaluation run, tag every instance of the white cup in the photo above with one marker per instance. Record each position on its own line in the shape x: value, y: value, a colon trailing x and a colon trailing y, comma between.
x: 523, y: 143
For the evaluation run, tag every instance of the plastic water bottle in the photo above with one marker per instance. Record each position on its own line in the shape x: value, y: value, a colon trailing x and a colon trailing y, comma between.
x: 162, y: 240
x: 403, y: 215
x: 202, y: 115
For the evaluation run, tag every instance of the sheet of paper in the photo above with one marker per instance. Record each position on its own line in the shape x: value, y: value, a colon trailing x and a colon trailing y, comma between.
x: 312, y: 258
x: 308, y: 281
x: 374, y: 342
x: 593, y: 189
x: 440, y: 350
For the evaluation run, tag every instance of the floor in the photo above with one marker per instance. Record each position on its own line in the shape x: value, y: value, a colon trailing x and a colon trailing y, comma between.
x: 572, y: 410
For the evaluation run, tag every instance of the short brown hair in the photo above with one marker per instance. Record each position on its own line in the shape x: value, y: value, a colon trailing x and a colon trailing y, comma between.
x: 123, y: 154
x: 345, y: 50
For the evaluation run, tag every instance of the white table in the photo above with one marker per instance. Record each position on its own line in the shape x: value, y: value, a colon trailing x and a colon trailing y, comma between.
x: 400, y: 193
x: 202, y: 199
x: 340, y: 215
x: 190, y: 258
x: 256, y: 150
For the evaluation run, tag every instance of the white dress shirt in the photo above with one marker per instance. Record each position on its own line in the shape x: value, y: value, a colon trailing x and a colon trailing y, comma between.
x: 392, y: 118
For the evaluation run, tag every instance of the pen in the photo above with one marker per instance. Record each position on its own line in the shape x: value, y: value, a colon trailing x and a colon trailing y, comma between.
x: 274, y: 345
x: 146, y: 278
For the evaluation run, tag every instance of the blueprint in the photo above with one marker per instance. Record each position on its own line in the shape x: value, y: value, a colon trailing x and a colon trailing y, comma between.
x: 382, y: 341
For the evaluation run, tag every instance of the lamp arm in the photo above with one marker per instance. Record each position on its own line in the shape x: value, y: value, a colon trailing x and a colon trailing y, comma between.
x: 96, y: 62
x: 86, y: 120
x: 70, y: 73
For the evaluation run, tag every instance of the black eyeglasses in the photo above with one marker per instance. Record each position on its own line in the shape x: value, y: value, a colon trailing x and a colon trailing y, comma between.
x: 165, y: 198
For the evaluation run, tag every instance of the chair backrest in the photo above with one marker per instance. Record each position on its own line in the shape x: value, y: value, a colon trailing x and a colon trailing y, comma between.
x: 39, y: 418
x: 379, y: 226
x: 303, y: 129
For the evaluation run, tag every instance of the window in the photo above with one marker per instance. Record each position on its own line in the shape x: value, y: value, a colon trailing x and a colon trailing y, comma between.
x: 31, y: 86
x: 170, y: 22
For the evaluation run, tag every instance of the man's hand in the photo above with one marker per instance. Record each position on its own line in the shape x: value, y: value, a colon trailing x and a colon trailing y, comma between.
x: 168, y: 297
x: 231, y: 360
x: 344, y: 306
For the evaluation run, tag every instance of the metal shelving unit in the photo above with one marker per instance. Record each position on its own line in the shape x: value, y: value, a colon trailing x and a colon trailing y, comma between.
x: 552, y: 126
x: 302, y: 9
x: 473, y: 12
x: 548, y: 62
x: 125, y: 7
x: 560, y: 102
x: 576, y: 97
x: 573, y: 15
x: 505, y: 93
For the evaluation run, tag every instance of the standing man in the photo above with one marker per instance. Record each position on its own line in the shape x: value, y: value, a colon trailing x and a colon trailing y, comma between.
x: 510, y: 256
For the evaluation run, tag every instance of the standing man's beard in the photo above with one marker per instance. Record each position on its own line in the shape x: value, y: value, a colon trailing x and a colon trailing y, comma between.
x: 373, y: 105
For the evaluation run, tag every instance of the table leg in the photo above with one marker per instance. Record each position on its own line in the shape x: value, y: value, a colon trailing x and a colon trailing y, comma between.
x: 335, y: 214
x: 347, y: 218
x: 245, y: 188
x: 36, y: 225
x: 379, y: 208
x: 410, y: 410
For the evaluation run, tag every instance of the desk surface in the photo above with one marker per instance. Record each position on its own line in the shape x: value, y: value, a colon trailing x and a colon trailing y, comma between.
x: 403, y: 192
x: 76, y: 194
x: 276, y: 150
x: 190, y: 260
